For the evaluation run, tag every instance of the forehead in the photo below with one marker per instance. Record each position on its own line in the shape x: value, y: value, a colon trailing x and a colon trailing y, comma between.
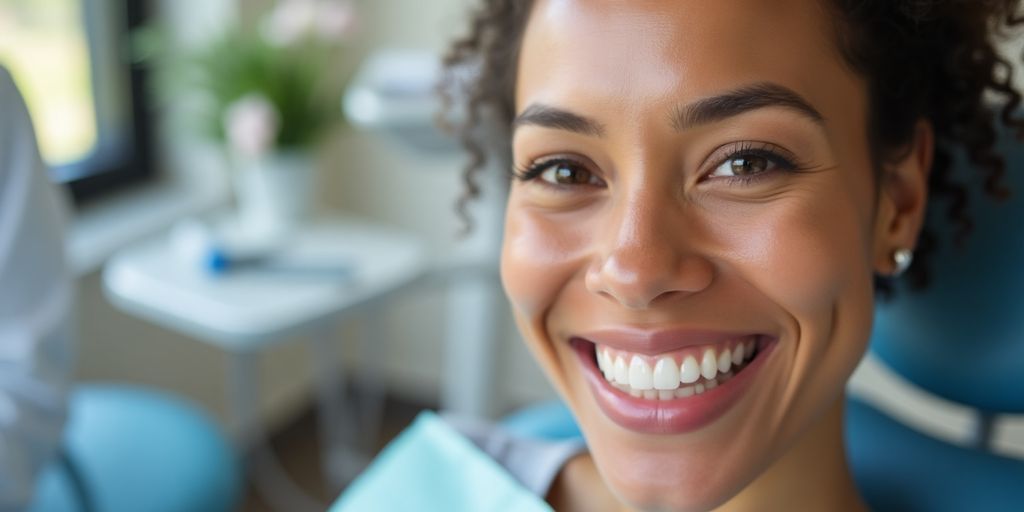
x: 634, y: 53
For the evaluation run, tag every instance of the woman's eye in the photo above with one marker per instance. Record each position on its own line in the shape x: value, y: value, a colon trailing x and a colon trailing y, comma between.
x: 743, y: 165
x: 564, y: 173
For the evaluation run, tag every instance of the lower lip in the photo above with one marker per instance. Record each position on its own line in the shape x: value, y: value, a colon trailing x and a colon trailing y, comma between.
x: 676, y: 416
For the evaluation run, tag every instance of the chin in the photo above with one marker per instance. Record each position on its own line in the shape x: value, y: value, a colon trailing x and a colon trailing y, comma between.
x: 671, y: 480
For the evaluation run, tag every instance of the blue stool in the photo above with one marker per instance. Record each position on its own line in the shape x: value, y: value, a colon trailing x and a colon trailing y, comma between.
x: 131, y: 449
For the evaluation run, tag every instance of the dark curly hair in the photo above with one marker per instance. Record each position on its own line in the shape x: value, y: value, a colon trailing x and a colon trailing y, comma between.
x: 930, y: 59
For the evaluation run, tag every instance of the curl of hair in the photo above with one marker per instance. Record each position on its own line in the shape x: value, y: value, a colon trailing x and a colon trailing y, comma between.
x: 922, y: 59
x: 935, y: 60
x: 488, y: 56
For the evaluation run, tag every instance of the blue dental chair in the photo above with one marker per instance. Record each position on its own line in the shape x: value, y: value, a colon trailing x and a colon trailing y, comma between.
x: 961, y: 339
x: 131, y: 449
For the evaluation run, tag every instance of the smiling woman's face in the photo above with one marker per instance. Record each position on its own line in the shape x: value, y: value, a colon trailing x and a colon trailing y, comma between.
x: 690, y: 254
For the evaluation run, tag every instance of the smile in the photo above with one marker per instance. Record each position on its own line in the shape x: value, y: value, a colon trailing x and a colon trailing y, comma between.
x: 679, y: 390
x: 677, y: 375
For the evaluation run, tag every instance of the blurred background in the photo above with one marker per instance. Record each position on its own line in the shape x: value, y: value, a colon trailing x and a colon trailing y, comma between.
x: 130, y: 142
x: 279, y: 281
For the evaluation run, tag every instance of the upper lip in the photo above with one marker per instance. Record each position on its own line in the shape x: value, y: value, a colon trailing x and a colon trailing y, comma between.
x: 653, y: 342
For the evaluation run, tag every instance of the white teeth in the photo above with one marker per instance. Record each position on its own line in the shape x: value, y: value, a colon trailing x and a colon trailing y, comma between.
x: 737, y: 355
x: 709, y: 364
x: 668, y: 380
x: 621, y: 372
x: 689, y: 372
x: 724, y: 361
x: 666, y: 374
x: 640, y: 374
x: 604, y: 364
x: 609, y: 366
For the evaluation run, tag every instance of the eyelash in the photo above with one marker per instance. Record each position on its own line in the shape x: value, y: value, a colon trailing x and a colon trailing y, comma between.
x: 783, y: 161
x: 535, y: 169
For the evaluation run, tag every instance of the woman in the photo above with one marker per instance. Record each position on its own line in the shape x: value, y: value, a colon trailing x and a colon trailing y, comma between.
x: 709, y: 187
x: 703, y: 195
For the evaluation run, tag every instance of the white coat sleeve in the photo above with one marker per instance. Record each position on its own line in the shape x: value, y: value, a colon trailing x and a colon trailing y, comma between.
x: 35, y: 307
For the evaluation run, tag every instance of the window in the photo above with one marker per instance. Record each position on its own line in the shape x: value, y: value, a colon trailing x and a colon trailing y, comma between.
x: 71, y: 60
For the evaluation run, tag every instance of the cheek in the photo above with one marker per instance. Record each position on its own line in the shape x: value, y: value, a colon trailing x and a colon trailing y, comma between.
x: 811, y: 256
x: 540, y: 255
x: 807, y: 254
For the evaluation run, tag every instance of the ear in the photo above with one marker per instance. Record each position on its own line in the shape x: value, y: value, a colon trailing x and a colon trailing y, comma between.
x: 902, y: 198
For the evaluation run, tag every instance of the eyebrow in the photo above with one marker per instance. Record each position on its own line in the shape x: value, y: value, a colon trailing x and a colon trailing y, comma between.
x: 739, y: 101
x: 547, y: 116
x: 703, y: 111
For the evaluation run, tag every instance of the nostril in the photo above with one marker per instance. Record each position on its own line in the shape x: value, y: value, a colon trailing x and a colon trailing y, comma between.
x: 667, y: 296
x: 637, y: 286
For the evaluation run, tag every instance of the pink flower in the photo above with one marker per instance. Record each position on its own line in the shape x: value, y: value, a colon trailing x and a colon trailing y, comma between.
x: 293, y: 20
x: 290, y: 21
x: 335, y: 19
x: 251, y: 123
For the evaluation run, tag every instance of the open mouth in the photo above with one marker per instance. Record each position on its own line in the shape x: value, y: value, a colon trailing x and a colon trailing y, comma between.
x: 676, y: 375
x: 672, y: 392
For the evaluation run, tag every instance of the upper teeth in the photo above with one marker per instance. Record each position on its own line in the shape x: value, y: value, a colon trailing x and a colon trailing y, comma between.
x: 666, y: 376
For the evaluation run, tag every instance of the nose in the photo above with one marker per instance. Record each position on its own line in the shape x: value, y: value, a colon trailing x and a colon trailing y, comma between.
x: 649, y: 255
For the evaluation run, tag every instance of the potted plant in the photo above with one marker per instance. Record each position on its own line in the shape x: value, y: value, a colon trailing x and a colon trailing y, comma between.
x: 266, y: 94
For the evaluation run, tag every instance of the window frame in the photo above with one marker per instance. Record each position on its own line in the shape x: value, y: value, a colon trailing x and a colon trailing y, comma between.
x: 124, y: 150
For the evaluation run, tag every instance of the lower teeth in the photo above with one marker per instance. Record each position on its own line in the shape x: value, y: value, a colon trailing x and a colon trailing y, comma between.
x: 680, y: 392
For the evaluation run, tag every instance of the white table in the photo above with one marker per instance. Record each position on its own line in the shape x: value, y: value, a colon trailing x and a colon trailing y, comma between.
x: 245, y: 311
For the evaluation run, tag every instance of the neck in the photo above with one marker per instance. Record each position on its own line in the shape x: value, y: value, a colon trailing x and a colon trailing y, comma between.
x: 812, y: 475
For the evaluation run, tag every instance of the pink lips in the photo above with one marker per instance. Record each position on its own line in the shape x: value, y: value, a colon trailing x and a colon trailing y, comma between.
x: 657, y: 342
x: 675, y: 416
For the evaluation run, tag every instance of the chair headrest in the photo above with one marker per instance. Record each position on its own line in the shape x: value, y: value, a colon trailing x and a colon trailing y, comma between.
x: 963, y: 337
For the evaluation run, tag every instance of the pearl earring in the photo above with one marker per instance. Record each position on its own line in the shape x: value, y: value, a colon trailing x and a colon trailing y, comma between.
x: 901, y: 258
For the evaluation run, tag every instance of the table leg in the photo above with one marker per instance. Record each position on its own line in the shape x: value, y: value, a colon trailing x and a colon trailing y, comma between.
x: 472, y: 341
x: 341, y: 462
x: 243, y: 391
x: 372, y: 388
x: 269, y: 479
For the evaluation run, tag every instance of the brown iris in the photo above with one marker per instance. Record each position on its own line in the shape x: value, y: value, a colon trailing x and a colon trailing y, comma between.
x: 748, y: 164
x: 565, y: 174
